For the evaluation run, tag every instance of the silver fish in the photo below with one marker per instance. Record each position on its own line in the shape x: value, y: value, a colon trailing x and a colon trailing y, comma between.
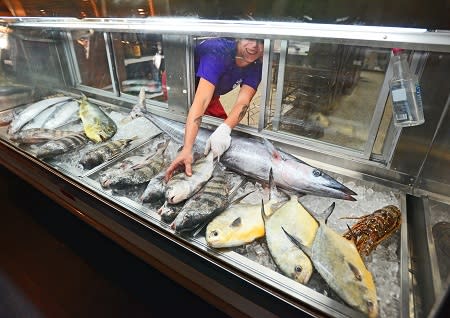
x: 339, y: 263
x: 292, y: 261
x: 38, y: 135
x: 104, y: 152
x: 213, y: 198
x: 62, y: 114
x: 38, y: 121
x: 32, y: 111
x: 253, y: 158
x: 137, y: 108
x: 156, y: 188
x: 181, y: 187
x: 62, y: 145
x: 97, y: 125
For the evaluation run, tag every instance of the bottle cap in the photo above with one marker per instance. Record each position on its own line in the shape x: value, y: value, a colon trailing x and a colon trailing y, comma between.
x: 397, y: 50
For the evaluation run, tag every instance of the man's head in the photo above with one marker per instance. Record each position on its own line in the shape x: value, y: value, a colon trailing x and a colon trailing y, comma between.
x: 249, y: 51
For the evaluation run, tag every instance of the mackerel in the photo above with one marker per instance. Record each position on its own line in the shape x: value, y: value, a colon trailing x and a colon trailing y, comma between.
x: 32, y: 111
x: 251, y: 157
x: 62, y: 114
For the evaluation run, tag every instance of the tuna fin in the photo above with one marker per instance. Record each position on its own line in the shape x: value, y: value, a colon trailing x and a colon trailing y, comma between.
x: 241, y: 197
x: 271, y: 149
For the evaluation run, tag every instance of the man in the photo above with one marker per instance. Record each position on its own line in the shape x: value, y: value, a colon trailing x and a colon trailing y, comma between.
x: 221, y: 64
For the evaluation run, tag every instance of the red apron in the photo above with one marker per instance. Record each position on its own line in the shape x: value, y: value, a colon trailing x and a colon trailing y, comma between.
x: 215, y: 108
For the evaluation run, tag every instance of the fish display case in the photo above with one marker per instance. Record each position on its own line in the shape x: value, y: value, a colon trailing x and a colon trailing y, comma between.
x: 309, y: 212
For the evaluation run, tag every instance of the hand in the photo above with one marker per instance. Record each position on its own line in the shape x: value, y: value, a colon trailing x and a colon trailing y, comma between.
x: 219, y: 141
x: 184, y: 158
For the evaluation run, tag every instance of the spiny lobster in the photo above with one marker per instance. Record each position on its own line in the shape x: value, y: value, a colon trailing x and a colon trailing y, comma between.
x: 373, y: 228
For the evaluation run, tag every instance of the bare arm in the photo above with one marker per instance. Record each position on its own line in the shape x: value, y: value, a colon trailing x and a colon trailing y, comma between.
x: 203, y: 96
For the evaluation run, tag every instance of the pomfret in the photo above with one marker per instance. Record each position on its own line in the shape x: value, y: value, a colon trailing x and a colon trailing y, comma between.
x: 337, y: 260
x: 181, y: 187
x: 97, y: 125
x: 292, y: 261
x: 251, y: 157
x: 240, y: 223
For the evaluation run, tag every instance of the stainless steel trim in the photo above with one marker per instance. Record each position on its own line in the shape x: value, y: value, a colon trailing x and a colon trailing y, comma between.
x: 414, y: 38
x: 405, y: 288
x: 111, y: 63
x: 265, y: 84
x: 280, y: 85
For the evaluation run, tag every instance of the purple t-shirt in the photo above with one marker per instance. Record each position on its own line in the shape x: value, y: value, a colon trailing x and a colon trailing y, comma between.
x: 215, y: 62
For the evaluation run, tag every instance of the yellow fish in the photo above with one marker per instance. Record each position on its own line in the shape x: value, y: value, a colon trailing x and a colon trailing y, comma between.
x: 97, y: 125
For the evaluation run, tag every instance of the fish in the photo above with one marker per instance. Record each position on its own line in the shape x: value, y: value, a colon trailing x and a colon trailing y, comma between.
x: 7, y: 117
x: 210, y: 200
x: 250, y: 157
x: 168, y: 212
x: 62, y: 114
x: 138, y: 174
x: 240, y: 223
x: 291, y: 260
x: 137, y: 108
x: 39, y: 119
x: 181, y: 187
x: 61, y: 145
x: 96, y: 124
x: 156, y: 189
x: 104, y: 152
x: 120, y: 167
x: 339, y: 263
x: 32, y: 111
x: 38, y: 135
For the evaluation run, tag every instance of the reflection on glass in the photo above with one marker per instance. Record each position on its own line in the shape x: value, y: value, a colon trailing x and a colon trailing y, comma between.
x: 329, y: 91
x: 90, y: 52
x: 140, y: 63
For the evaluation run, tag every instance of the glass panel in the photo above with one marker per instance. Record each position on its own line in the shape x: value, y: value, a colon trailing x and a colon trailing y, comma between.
x: 90, y: 52
x: 329, y: 91
x: 140, y: 63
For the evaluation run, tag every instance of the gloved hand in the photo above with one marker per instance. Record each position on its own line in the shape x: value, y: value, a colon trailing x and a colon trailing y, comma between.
x: 219, y: 141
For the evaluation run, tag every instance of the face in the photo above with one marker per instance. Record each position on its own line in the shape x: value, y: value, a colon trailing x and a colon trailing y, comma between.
x: 248, y: 51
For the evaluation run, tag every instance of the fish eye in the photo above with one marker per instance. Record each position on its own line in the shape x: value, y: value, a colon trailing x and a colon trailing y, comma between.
x: 298, y: 269
x: 215, y: 233
x: 317, y: 173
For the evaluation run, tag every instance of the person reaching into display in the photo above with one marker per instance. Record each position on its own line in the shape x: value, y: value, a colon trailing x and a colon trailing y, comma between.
x: 221, y: 64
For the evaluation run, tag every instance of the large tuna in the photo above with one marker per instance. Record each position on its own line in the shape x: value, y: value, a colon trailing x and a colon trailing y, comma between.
x: 254, y: 158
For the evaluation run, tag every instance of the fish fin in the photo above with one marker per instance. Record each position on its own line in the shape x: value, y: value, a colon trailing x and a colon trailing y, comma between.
x: 241, y: 197
x: 237, y: 222
x: 354, y: 237
x: 271, y: 149
x: 355, y: 271
x: 328, y: 211
x: 294, y: 240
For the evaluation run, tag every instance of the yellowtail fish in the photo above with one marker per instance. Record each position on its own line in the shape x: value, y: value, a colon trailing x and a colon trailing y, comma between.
x: 38, y: 135
x: 339, y: 263
x: 292, y: 261
x: 96, y: 124
x: 181, y: 187
x: 100, y: 154
x: 62, y: 145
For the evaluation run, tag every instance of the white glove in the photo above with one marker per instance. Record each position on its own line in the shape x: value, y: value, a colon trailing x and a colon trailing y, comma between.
x: 219, y: 141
